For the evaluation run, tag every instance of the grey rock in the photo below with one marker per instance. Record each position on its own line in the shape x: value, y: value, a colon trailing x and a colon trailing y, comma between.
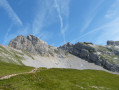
x: 85, y: 50
x: 89, y: 53
x: 89, y: 43
x: 113, y: 43
x: 31, y: 44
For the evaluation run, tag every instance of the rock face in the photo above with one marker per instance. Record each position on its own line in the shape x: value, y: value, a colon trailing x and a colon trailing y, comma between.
x: 89, y: 53
x: 114, y: 43
x: 104, y: 56
x: 31, y: 44
x: 80, y: 49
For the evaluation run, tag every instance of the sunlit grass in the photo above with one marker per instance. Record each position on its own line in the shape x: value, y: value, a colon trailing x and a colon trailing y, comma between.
x: 8, y: 68
x: 63, y: 79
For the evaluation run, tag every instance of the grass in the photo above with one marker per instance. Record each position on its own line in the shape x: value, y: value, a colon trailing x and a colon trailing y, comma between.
x: 8, y: 68
x: 62, y: 79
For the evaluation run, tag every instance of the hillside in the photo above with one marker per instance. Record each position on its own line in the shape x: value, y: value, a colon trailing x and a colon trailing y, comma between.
x: 80, y: 66
x: 8, y: 68
x: 62, y: 79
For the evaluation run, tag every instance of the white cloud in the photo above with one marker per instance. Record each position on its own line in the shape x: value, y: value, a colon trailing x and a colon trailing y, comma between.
x: 10, y: 11
x: 90, y: 16
x: 47, y: 15
x: 62, y: 7
x: 109, y: 31
x: 44, y: 12
x: 6, y: 38
x: 9, y: 36
x: 113, y: 10
x: 38, y: 23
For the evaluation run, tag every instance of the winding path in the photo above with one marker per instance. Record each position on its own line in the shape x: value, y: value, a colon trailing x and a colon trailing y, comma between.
x: 12, y: 75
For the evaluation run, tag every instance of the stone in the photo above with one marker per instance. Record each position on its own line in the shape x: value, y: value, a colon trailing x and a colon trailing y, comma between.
x: 31, y: 44
x: 85, y: 50
x: 89, y: 53
x: 113, y: 43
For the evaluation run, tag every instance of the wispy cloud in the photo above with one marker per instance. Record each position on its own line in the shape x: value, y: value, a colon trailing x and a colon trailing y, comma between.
x: 6, y: 35
x: 110, y: 32
x: 38, y: 23
x: 47, y: 12
x: 90, y: 16
x: 40, y: 20
x: 62, y: 7
x: 10, y: 11
x: 113, y: 11
x: 9, y: 36
x: 61, y: 19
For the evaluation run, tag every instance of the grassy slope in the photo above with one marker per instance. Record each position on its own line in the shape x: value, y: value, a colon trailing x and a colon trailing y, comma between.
x: 63, y: 79
x: 8, y: 68
x: 10, y: 55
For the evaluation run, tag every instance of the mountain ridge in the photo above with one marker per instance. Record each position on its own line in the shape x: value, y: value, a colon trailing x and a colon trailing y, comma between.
x: 67, y: 56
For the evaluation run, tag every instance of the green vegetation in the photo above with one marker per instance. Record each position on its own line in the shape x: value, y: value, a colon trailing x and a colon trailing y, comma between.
x: 50, y: 46
x: 8, y: 68
x: 3, y: 50
x: 108, y: 54
x: 114, y: 59
x: 11, y: 56
x: 101, y: 48
x: 62, y: 79
x: 27, y: 53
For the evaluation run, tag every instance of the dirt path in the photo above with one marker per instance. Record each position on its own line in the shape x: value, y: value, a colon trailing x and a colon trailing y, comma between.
x: 12, y: 75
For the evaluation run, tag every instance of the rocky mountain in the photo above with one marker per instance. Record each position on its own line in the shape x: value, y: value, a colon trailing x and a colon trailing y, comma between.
x: 105, y: 56
x: 32, y: 44
x: 31, y: 51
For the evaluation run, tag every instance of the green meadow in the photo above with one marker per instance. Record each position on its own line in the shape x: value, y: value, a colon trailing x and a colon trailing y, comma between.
x: 62, y: 79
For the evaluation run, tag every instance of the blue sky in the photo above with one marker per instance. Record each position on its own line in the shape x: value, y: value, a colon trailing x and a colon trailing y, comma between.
x: 60, y: 21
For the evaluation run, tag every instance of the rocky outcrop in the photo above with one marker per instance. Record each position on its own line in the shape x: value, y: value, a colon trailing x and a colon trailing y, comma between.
x: 32, y: 44
x: 113, y: 43
x: 89, y: 53
x: 79, y: 49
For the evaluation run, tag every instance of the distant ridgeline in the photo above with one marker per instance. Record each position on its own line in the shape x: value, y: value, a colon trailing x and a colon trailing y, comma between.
x: 115, y: 43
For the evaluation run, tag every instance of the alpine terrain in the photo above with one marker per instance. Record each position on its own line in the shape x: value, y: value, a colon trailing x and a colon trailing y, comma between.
x: 29, y: 58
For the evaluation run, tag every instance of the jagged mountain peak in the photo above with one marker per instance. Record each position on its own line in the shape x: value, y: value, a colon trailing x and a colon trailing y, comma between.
x: 30, y: 43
